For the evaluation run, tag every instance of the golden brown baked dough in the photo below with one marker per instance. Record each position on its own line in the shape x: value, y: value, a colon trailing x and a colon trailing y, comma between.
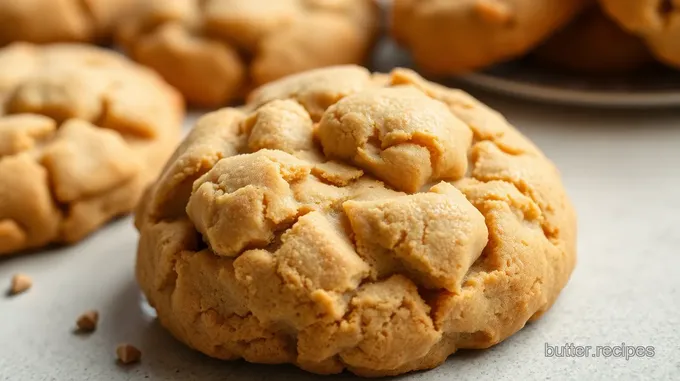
x: 593, y: 43
x: 44, y: 21
x: 213, y: 50
x: 450, y: 37
x: 344, y: 220
x: 82, y: 132
x: 656, y: 21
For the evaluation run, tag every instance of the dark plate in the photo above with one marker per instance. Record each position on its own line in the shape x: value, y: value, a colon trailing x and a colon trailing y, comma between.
x: 653, y: 86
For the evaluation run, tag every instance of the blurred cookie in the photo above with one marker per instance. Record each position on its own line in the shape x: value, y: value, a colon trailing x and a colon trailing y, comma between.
x: 45, y: 21
x: 213, y: 50
x: 448, y: 37
x: 82, y: 132
x: 656, y: 21
x: 593, y: 43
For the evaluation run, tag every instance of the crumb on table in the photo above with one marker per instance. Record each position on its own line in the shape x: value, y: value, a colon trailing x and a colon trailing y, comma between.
x: 128, y: 354
x: 20, y: 283
x: 87, y: 322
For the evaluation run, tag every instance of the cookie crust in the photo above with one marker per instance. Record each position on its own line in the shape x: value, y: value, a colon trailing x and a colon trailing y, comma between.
x: 348, y: 220
x: 82, y: 132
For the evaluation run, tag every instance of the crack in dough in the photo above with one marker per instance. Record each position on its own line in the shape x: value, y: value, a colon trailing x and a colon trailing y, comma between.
x: 416, y: 139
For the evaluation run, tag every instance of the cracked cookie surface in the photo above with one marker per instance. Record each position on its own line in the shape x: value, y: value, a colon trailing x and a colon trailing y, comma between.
x: 82, y: 132
x: 213, y: 50
x: 348, y: 220
x: 68, y: 21
x: 450, y: 37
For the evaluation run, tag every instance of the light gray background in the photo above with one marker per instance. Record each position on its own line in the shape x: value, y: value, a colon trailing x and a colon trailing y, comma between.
x: 622, y: 170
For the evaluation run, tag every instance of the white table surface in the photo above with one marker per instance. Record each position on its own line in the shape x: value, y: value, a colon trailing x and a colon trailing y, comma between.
x: 622, y: 170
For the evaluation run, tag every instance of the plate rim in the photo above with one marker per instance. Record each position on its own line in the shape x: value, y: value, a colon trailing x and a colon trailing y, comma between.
x: 571, y: 96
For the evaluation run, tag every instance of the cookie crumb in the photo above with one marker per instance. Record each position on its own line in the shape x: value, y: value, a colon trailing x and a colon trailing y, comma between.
x: 128, y: 354
x: 87, y: 322
x: 20, y: 283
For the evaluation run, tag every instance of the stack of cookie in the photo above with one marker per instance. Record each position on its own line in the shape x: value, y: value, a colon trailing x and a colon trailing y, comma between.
x: 212, y: 51
x: 582, y: 35
x: 83, y: 130
x: 340, y: 219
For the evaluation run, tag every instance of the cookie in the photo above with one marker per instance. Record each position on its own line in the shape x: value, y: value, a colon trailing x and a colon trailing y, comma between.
x: 344, y: 220
x: 82, y: 133
x: 212, y: 51
x: 593, y: 43
x: 656, y: 21
x: 46, y: 21
x: 450, y: 37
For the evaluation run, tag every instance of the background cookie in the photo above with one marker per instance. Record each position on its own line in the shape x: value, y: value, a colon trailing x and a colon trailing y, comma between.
x: 82, y: 131
x: 375, y: 223
x: 593, y: 43
x: 212, y: 52
x: 657, y: 21
x: 43, y: 21
x: 448, y: 37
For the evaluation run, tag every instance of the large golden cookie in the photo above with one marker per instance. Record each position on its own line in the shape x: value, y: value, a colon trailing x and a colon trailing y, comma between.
x: 213, y: 50
x: 349, y: 220
x: 450, y: 37
x: 82, y: 132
